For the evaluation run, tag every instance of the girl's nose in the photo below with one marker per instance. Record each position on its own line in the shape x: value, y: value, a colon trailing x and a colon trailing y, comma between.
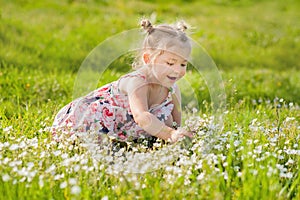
x: 178, y: 69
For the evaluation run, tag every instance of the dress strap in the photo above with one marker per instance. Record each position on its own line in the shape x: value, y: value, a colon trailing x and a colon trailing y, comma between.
x: 132, y: 74
x: 173, y: 88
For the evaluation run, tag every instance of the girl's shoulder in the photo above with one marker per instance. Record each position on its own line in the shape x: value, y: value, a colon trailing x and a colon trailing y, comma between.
x: 134, y: 75
x: 131, y: 80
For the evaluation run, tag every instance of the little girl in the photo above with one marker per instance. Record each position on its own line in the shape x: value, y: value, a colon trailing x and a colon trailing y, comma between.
x: 141, y: 104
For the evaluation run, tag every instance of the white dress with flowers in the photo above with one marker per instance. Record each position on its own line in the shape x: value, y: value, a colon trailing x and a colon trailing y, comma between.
x: 106, y: 111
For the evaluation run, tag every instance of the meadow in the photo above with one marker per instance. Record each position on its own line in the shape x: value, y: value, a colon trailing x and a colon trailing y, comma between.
x: 253, y: 154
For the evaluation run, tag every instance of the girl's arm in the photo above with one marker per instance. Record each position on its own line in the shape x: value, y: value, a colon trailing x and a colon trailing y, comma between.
x: 176, y: 113
x: 137, y: 91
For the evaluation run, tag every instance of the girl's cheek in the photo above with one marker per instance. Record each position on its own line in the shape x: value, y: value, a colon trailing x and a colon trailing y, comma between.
x: 183, y: 73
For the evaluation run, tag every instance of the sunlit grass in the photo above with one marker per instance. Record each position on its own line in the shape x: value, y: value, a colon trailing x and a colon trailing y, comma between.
x: 255, y: 155
x: 259, y: 153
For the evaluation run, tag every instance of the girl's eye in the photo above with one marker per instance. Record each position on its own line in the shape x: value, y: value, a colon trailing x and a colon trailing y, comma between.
x: 183, y: 65
x: 168, y: 63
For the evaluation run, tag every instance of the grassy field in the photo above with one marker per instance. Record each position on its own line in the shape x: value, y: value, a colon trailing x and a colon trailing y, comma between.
x: 256, y: 153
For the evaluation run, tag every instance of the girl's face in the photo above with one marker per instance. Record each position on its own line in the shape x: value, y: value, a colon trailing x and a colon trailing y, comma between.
x: 169, y: 68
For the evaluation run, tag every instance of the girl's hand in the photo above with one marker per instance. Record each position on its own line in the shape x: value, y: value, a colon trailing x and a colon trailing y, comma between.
x: 179, y: 133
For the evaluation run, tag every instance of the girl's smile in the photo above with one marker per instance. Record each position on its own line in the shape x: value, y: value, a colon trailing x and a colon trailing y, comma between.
x: 169, y: 68
x: 165, y: 69
x: 172, y: 78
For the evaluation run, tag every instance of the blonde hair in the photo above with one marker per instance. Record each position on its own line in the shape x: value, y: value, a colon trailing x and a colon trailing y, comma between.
x: 163, y: 37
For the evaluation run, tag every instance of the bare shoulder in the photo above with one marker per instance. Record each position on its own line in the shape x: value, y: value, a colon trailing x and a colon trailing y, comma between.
x: 131, y: 83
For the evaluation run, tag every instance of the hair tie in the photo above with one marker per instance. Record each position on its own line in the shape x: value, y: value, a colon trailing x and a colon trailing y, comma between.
x: 182, y: 26
x: 147, y: 26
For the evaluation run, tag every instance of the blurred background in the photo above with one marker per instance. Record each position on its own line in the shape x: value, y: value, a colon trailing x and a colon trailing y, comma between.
x: 255, y: 45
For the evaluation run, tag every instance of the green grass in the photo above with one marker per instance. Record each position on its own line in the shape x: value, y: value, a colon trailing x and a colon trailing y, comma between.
x: 255, y: 46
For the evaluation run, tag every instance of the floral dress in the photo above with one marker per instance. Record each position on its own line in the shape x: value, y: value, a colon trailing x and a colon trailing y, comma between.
x: 106, y: 110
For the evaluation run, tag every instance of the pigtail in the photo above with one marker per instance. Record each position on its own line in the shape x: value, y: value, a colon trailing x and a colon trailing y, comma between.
x: 182, y: 26
x: 147, y: 26
x: 163, y: 37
